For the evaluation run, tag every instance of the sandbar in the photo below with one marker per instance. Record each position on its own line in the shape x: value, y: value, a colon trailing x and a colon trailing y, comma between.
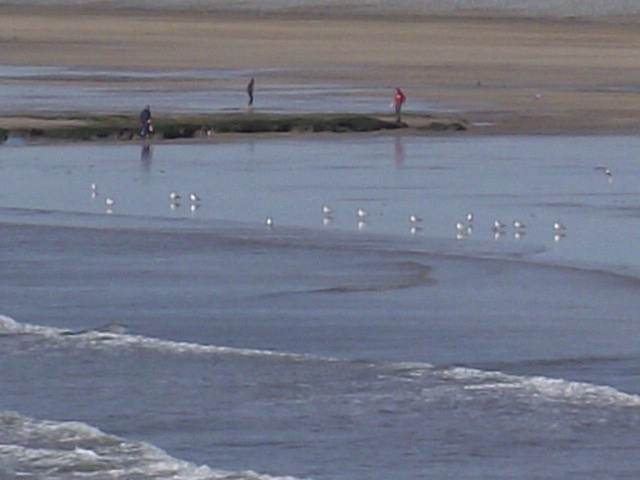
x: 501, y: 75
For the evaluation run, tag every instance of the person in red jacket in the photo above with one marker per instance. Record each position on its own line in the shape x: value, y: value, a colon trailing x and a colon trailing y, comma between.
x: 398, y: 100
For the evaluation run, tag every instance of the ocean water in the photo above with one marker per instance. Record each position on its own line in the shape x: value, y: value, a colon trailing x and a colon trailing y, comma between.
x: 154, y: 339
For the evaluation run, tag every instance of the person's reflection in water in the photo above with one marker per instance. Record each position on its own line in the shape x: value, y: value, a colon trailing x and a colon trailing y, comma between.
x: 146, y: 155
x: 399, y: 151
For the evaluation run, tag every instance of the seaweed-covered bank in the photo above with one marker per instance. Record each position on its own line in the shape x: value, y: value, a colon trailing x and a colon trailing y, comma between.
x: 169, y: 127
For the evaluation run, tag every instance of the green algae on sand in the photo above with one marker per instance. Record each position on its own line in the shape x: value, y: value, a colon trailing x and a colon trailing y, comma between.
x: 76, y: 127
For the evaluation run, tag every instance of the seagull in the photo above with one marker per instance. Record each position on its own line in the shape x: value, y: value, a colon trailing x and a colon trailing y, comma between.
x: 194, y: 198
x: 269, y: 222
x: 558, y: 226
x: 414, y: 229
x: 414, y: 219
x: 109, y: 201
x: 362, y: 213
x: 361, y: 224
x: 606, y: 170
x: 498, y: 225
x: 518, y: 225
x: 326, y: 210
x: 460, y: 226
x: 174, y: 196
x: 470, y: 217
x: 94, y: 187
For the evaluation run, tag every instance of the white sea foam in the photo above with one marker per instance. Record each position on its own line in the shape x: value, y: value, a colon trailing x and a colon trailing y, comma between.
x: 110, y: 338
x: 554, y: 8
x: 51, y: 450
x: 543, y: 388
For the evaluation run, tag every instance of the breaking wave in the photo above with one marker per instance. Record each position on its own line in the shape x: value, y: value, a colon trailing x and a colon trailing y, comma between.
x: 543, y: 388
x: 51, y: 450
x: 115, y: 336
x: 456, y: 381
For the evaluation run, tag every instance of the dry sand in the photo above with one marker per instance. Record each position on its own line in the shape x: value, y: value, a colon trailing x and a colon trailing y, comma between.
x: 521, y: 75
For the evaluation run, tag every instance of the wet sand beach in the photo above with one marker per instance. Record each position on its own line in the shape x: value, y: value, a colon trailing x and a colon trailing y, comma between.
x: 507, y: 75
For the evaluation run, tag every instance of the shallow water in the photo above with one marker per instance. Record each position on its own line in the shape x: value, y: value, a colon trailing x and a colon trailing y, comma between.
x: 313, y: 349
x: 536, y: 180
x: 55, y: 89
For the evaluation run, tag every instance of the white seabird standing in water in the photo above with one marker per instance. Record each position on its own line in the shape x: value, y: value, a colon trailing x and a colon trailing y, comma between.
x: 362, y: 213
x: 607, y: 171
x: 109, y: 202
x: 269, y: 222
x: 559, y: 227
x: 498, y: 229
x: 174, y: 198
